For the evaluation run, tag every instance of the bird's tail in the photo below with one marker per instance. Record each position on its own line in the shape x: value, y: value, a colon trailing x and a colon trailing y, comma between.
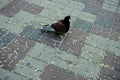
x: 47, y: 28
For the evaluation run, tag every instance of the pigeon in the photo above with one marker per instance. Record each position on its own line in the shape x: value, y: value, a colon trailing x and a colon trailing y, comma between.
x: 59, y: 27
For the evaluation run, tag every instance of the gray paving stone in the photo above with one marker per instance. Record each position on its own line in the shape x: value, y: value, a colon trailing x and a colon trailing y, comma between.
x: 7, y: 38
x: 27, y: 72
x: 27, y: 31
x: 33, y: 8
x: 14, y: 76
x: 4, y: 74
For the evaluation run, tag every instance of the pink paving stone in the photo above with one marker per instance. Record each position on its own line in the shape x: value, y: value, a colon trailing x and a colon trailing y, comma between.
x: 53, y: 72
x: 21, y: 45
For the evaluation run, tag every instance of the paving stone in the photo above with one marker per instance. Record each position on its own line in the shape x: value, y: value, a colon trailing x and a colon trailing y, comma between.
x: 66, y: 44
x: 108, y: 23
x: 35, y: 35
x: 87, y: 27
x: 7, y: 38
x: 100, y: 31
x: 99, y: 20
x: 114, y: 35
x: 76, y: 34
x: 2, y: 32
x: 117, y: 65
x: 109, y: 7
x: 56, y: 73
x: 33, y: 63
x: 22, y: 4
x: 51, y: 39
x: 105, y: 77
x: 109, y: 59
x: 6, y: 53
x: 21, y: 45
x: 105, y: 13
x: 111, y: 73
x: 27, y: 72
x: 4, y: 74
x: 91, y: 9
x: 27, y: 31
x: 87, y: 16
x: 34, y: 9
x: 78, y: 23
x: 9, y: 10
x: 76, y: 48
x: 14, y: 76
x: 116, y: 28
x: 96, y: 3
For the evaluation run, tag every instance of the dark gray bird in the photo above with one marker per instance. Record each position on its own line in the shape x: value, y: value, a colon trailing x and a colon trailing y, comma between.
x: 59, y: 27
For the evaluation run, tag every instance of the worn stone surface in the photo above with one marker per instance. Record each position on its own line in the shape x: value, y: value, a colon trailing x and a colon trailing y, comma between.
x: 90, y: 50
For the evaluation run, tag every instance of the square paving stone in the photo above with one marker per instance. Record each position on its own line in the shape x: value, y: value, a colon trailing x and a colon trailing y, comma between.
x: 114, y: 35
x: 33, y: 8
x: 105, y: 13
x: 117, y: 65
x: 35, y: 35
x: 6, y: 57
x: 108, y: 22
x: 27, y: 31
x: 66, y: 44
x: 21, y: 4
x: 21, y: 45
x: 78, y: 23
x: 76, y: 34
x: 91, y: 9
x: 109, y: 59
x: 7, y: 38
x: 87, y: 27
x: 6, y: 13
x: 53, y: 72
x: 100, y: 31
x: 2, y: 32
x: 5, y: 53
x: 104, y: 77
x: 116, y: 28
x: 9, y: 10
x: 111, y: 73
x: 99, y: 20
x: 76, y: 48
x: 50, y: 39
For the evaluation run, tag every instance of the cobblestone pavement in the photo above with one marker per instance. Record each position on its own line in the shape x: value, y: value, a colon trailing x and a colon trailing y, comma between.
x: 89, y: 51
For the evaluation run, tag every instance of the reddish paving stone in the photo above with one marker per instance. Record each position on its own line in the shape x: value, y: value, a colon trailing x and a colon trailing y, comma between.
x: 21, y: 4
x: 111, y: 73
x: 74, y: 41
x: 114, y: 35
x: 104, y: 77
x: 33, y: 8
x: 117, y: 65
x: 100, y: 31
x: 105, y: 13
x: 9, y: 10
x: 53, y: 72
x: 15, y: 51
x: 50, y: 39
x: 21, y: 45
x: 109, y: 60
x: 76, y: 48
x: 66, y: 44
